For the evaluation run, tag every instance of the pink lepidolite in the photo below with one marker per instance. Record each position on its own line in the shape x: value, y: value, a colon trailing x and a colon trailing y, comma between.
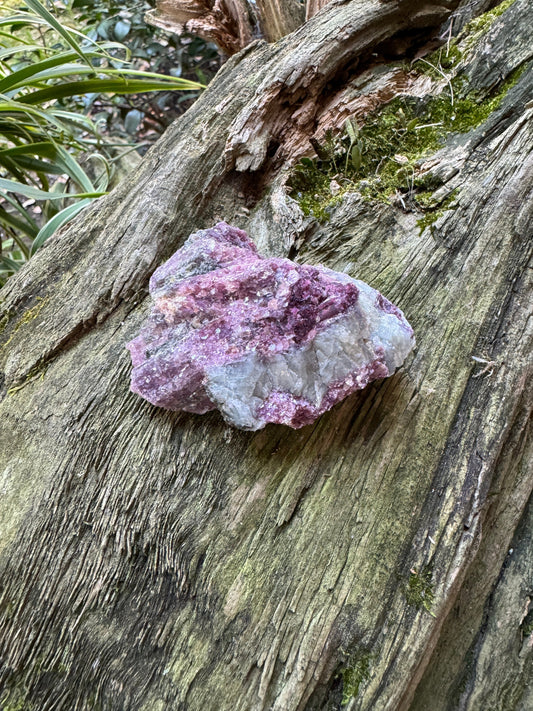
x: 263, y: 340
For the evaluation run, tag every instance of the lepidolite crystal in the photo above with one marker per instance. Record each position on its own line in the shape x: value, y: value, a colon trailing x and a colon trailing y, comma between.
x: 263, y: 340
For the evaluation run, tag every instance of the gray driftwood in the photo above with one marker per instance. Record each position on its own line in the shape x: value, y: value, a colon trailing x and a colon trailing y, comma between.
x: 154, y: 560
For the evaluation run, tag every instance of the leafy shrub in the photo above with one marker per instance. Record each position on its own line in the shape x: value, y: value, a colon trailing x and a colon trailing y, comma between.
x: 44, y: 67
x: 144, y: 116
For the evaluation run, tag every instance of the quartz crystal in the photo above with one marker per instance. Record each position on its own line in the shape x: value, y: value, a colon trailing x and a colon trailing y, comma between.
x: 261, y: 339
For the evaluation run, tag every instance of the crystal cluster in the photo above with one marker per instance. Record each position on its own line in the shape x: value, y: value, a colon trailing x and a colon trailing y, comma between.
x: 263, y: 340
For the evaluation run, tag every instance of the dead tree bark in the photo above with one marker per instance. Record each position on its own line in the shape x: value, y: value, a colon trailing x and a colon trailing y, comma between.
x: 153, y: 560
x: 231, y: 24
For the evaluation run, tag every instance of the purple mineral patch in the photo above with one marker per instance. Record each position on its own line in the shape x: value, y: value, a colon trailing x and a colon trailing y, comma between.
x: 263, y: 340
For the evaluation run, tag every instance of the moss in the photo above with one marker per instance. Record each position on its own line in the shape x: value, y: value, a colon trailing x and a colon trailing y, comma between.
x: 30, y: 314
x: 388, y: 145
x: 477, y: 27
x: 7, y: 609
x: 93, y: 703
x: 442, y: 61
x: 310, y: 183
x: 429, y: 219
x: 432, y: 210
x: 425, y: 199
x: 38, y: 370
x: 527, y: 624
x: 4, y: 321
x: 15, y: 700
x: 380, y: 161
x: 470, y: 111
x: 26, y: 317
x: 355, y: 673
x: 419, y: 589
x: 502, y: 7
x: 528, y: 629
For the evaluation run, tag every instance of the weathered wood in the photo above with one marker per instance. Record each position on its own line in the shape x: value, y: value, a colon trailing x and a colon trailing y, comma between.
x: 314, y: 6
x: 231, y: 24
x: 154, y: 560
x: 279, y: 17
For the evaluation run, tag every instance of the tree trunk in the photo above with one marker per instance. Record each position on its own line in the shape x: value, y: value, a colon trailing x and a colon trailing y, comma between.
x: 231, y: 24
x: 377, y: 559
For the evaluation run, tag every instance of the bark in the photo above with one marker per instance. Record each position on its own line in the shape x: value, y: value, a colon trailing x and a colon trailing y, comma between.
x: 231, y: 24
x: 314, y: 6
x: 154, y: 560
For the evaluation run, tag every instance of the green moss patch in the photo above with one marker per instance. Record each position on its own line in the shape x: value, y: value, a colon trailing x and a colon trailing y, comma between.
x: 355, y: 673
x: 4, y: 320
x: 26, y: 317
x: 527, y: 624
x: 432, y: 211
x: 479, y: 26
x: 32, y: 313
x: 440, y: 63
x: 380, y: 159
x: 419, y: 589
x: 38, y: 371
x: 15, y: 700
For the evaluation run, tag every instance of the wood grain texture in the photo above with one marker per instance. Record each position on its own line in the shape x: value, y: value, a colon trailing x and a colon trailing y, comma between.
x: 314, y: 6
x: 231, y: 24
x: 153, y: 560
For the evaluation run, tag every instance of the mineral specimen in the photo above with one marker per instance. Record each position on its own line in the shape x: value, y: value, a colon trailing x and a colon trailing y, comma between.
x: 263, y: 340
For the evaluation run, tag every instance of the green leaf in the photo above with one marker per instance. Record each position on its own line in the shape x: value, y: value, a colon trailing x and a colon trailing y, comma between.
x: 20, y: 112
x: 45, y: 149
x: 40, y: 10
x: 351, y: 129
x: 23, y: 212
x: 356, y: 155
x: 320, y: 150
x: 76, y: 120
x: 15, y: 49
x: 102, y: 181
x: 132, y: 120
x: 106, y: 86
x: 31, y: 192
x: 201, y: 76
x: 23, y: 19
x: 74, y: 169
x: 26, y: 80
x: 178, y: 81
x: 121, y: 29
x: 40, y: 69
x: 10, y: 264
x: 15, y: 223
x: 69, y: 69
x: 62, y: 162
x: 27, y: 163
x: 62, y: 217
